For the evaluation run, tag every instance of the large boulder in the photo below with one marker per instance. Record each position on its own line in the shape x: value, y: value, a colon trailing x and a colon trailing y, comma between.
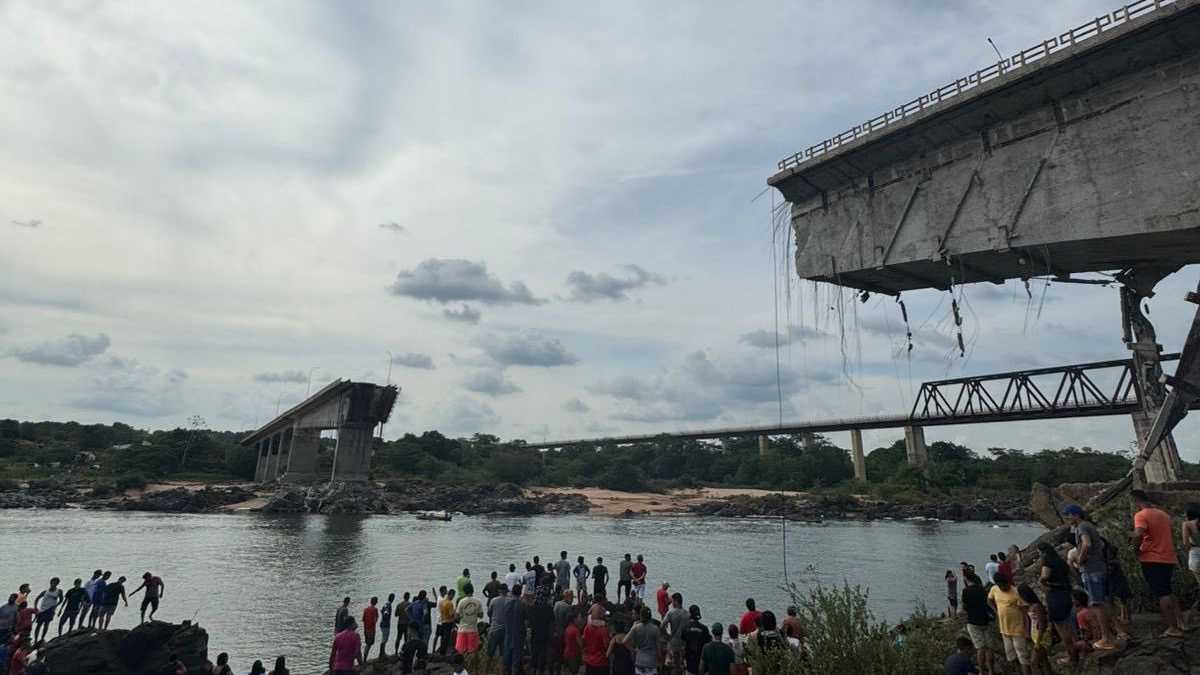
x: 287, y: 499
x: 145, y: 650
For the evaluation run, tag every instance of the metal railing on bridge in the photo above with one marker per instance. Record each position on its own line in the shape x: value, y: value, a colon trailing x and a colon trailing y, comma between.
x: 1017, y: 61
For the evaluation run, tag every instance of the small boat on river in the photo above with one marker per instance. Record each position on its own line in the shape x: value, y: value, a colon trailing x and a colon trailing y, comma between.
x: 434, y: 515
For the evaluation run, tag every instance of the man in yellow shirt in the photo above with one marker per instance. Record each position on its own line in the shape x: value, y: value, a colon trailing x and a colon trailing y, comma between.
x: 445, y: 640
x: 1010, y: 615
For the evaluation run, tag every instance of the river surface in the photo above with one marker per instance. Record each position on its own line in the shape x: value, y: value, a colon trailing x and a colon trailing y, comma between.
x: 264, y: 585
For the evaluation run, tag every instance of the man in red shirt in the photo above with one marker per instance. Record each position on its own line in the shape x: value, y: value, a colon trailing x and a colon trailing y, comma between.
x: 370, y: 618
x: 572, y: 645
x: 20, y: 657
x: 664, y: 599
x: 24, y: 623
x: 1156, y: 553
x: 595, y: 648
x: 346, y: 650
x: 749, y: 622
x: 637, y: 574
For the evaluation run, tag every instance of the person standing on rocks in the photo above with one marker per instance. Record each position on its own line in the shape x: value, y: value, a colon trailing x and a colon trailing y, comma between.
x: 582, y: 573
x: 346, y: 652
x: 624, y: 578
x: 1005, y: 566
x: 951, y: 593
x: 154, y: 592
x: 385, y: 624
x: 513, y: 577
x: 562, y: 573
x: 47, y: 604
x: 113, y: 595
x: 990, y: 569
x: 8, y: 618
x: 97, y: 614
x: 1156, y: 552
x: 468, y: 612
x: 89, y: 589
x: 402, y: 622
x: 514, y: 632
x: 676, y: 620
x: 461, y: 583
x: 599, y: 578
x: 1010, y: 613
x: 1190, y: 535
x: 73, y: 601
x: 492, y: 589
x: 370, y: 619
x: 1092, y: 563
x: 637, y: 573
x: 663, y: 599
x: 979, y: 619
x: 342, y: 617
x: 749, y: 621
x: 530, y: 578
x: 1056, y: 582
x: 495, y: 614
x: 442, y: 641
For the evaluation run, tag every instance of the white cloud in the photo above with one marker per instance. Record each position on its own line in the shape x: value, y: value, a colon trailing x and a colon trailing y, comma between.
x: 526, y: 349
x: 490, y: 382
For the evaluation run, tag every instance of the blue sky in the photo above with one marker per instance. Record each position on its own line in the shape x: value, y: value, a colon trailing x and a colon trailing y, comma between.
x: 233, y: 195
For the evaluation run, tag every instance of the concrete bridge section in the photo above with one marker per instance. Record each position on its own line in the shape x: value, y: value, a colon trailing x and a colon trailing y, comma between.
x: 287, y: 445
x: 1078, y: 154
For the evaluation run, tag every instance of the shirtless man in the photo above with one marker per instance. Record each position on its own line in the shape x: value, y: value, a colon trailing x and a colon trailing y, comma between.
x: 154, y: 591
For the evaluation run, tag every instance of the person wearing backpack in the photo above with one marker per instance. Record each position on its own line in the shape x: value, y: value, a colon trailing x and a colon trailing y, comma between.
x: 1093, y: 572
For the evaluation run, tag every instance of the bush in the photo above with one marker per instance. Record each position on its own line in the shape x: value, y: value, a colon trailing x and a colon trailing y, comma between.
x: 845, y: 637
x: 9, y: 485
x: 103, y: 491
x: 131, y: 481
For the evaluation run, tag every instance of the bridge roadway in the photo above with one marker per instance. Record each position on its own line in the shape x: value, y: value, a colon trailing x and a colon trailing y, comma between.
x: 1013, y: 396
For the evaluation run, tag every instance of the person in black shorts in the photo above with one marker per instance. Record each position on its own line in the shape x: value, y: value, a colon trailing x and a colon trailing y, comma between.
x: 74, y: 601
x: 154, y: 591
x: 599, y: 578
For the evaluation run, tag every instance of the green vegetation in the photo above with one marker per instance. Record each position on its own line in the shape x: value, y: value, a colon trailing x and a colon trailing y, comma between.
x: 128, y: 457
x: 844, y: 637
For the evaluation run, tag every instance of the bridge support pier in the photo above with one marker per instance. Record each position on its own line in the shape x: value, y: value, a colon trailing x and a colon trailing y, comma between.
x: 262, y: 449
x: 302, y: 462
x: 764, y: 446
x: 856, y: 449
x: 914, y: 446
x: 272, y: 458
x: 1163, y: 463
x: 352, y: 455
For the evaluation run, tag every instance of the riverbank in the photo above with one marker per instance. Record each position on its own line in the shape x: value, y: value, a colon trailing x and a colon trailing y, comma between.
x: 397, y: 496
x: 408, y: 496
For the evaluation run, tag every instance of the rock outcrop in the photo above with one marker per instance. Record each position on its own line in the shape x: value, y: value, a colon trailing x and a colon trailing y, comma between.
x: 145, y: 650
x: 183, y: 500
x: 845, y: 507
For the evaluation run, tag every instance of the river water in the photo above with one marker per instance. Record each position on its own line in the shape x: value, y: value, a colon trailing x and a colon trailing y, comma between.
x: 264, y: 585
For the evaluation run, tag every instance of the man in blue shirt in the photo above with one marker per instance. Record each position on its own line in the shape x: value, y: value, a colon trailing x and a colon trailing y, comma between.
x: 960, y: 663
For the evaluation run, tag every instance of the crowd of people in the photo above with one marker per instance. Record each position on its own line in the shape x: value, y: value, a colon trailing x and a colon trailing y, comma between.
x: 1079, y: 600
x: 25, y: 623
x: 556, y: 619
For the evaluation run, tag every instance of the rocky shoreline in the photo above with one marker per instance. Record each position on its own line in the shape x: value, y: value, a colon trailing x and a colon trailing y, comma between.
x: 398, y: 497
x: 836, y: 507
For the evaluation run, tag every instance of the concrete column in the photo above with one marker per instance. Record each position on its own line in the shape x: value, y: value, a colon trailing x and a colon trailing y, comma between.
x: 764, y: 447
x: 285, y: 451
x: 856, y: 449
x: 260, y: 469
x: 302, y: 463
x: 808, y: 440
x: 272, y: 457
x: 914, y: 444
x: 352, y: 457
x: 1159, y: 468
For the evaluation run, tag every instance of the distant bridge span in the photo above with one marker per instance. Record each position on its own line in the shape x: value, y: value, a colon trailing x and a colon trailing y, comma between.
x: 1091, y: 389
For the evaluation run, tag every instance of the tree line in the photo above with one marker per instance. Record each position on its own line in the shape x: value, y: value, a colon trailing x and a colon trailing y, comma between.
x: 119, y: 450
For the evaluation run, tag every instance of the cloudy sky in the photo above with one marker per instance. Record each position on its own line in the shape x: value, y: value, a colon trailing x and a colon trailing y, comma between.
x: 550, y: 214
